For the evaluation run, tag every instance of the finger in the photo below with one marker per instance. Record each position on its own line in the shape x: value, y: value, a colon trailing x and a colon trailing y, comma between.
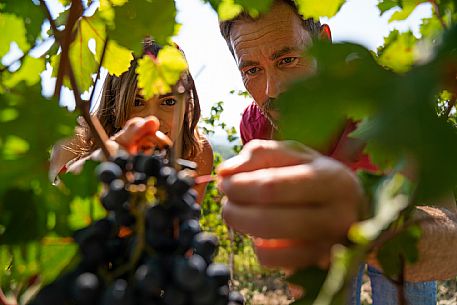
x: 148, y: 143
x: 259, y: 154
x: 162, y: 140
x: 294, y: 257
x: 148, y: 127
x: 136, y: 129
x: 291, y: 185
x: 304, y: 223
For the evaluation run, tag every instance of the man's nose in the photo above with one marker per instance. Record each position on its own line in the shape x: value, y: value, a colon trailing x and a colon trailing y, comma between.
x: 274, y: 86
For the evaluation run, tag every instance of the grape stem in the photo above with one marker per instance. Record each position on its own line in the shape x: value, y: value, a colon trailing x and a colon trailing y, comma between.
x: 436, y: 10
x: 138, y: 208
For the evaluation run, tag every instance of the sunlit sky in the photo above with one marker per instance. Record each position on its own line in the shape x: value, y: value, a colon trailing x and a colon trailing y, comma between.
x: 214, y: 68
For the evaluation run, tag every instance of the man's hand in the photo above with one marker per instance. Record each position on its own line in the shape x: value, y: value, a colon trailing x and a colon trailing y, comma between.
x: 296, y: 202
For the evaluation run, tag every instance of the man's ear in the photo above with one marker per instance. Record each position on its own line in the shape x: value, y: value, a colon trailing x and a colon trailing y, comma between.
x: 325, y: 33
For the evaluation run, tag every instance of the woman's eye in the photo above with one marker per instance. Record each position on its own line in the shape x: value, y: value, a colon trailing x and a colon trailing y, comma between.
x: 169, y: 102
x: 139, y: 102
x: 288, y: 60
x: 252, y: 71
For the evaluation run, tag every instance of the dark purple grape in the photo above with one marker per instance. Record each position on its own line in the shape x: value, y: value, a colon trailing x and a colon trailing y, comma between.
x: 187, y: 164
x: 195, y: 211
x: 108, y: 171
x: 163, y: 242
x: 86, y: 289
x: 139, y: 162
x: 167, y: 176
x: 219, y: 273
x: 189, y: 273
x: 54, y: 293
x: 174, y: 296
x: 187, y: 231
x: 236, y: 297
x: 118, y: 294
x: 93, y: 252
x: 140, y: 178
x: 105, y: 228
x: 206, y: 294
x: 124, y: 217
x: 123, y: 161
x: 158, y: 218
x: 152, y: 166
x: 149, y: 280
x: 116, y: 196
x: 205, y: 245
x: 181, y: 185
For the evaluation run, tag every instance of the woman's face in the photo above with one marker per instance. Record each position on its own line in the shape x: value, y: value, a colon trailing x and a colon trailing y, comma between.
x: 167, y: 108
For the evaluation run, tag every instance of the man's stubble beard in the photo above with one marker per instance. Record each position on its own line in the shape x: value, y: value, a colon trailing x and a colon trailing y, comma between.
x: 266, y: 109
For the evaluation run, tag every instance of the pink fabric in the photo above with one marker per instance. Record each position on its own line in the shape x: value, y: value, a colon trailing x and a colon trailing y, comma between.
x: 254, y: 125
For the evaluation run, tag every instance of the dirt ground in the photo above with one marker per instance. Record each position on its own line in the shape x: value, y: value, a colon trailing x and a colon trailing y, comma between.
x: 446, y: 295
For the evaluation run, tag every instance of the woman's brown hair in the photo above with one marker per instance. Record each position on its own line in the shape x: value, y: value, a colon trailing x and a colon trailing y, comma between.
x: 118, y: 97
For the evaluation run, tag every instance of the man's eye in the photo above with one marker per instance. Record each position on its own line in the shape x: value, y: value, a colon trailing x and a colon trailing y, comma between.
x: 169, y: 102
x: 252, y: 71
x: 287, y: 60
x: 139, y: 102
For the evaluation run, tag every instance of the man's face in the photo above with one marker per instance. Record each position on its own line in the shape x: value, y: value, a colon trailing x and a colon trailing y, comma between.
x: 269, y: 53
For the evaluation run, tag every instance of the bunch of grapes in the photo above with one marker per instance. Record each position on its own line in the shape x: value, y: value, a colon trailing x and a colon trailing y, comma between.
x: 149, y: 249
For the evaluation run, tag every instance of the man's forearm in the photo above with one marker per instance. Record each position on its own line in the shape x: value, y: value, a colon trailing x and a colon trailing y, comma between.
x: 437, y: 246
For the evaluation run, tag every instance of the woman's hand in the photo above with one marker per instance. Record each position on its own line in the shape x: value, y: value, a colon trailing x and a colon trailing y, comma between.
x: 141, y: 134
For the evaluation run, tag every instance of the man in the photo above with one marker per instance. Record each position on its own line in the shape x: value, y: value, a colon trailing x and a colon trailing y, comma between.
x: 295, y: 200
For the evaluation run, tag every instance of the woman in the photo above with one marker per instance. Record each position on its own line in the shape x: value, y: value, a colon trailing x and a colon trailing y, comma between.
x: 125, y: 115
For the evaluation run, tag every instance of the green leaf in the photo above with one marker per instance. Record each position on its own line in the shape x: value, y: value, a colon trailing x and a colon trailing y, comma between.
x: 386, y: 5
x: 84, y: 211
x: 315, y: 9
x: 20, y: 209
x: 311, y: 279
x: 408, y: 6
x: 13, y: 30
x: 401, y: 248
x: 107, y: 11
x: 13, y: 147
x: 157, y: 75
x: 29, y: 72
x: 398, y: 51
x: 228, y: 9
x: 45, y: 259
x: 329, y: 99
x: 83, y: 184
x: 31, y: 110
x: 137, y: 19
x: 390, y: 199
x: 117, y: 58
x: 400, y: 108
x: 430, y: 28
x: 56, y: 254
x: 31, y: 14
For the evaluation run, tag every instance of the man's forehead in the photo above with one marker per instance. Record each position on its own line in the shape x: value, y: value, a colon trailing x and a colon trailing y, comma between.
x: 271, y: 42
x: 278, y: 29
